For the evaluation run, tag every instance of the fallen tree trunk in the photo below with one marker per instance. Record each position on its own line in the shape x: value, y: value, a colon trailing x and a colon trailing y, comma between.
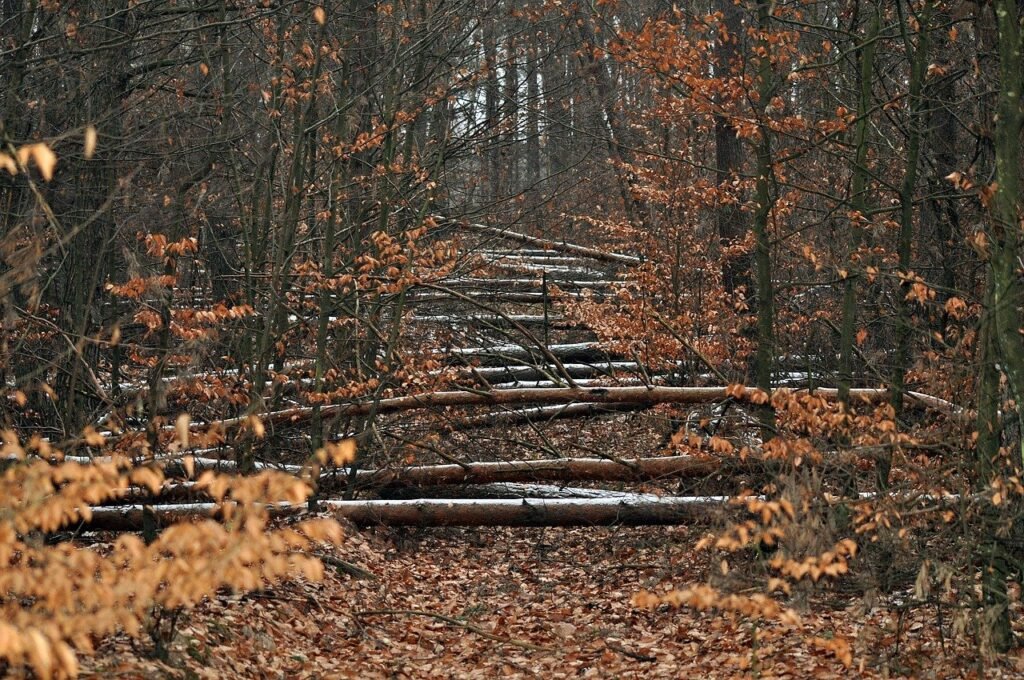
x: 558, y: 470
x: 633, y: 396
x: 554, y: 470
x: 561, y: 395
x: 541, y: 414
x: 560, y: 246
x: 442, y: 512
x: 510, y: 490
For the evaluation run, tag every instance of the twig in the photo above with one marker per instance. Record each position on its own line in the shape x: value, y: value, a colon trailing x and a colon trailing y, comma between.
x: 632, y: 655
x: 353, y: 570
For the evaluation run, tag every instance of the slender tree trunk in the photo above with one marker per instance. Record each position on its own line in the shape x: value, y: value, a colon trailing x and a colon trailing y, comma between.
x: 858, y: 206
x: 732, y: 222
x: 764, y: 358
x: 904, y: 330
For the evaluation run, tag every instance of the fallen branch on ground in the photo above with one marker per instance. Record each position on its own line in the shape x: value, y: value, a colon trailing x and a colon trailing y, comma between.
x: 629, y: 396
x: 560, y: 246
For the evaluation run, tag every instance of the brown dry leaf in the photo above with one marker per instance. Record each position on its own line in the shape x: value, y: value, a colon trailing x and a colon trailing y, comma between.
x: 44, y: 158
x: 92, y: 437
x: 181, y: 430
x: 89, y: 142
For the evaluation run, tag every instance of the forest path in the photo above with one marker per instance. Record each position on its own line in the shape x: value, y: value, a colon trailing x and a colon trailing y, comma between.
x: 475, y: 603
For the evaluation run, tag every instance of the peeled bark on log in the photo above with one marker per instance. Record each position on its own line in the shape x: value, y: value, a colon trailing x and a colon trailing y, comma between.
x: 560, y: 246
x: 444, y: 512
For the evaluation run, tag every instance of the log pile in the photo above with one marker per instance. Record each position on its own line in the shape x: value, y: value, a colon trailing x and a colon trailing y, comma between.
x: 562, y: 373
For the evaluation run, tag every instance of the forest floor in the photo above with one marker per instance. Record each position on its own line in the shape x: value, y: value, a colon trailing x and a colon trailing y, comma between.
x: 551, y: 603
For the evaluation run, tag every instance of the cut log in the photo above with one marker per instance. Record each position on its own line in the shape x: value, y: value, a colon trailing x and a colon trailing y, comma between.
x: 560, y: 470
x: 444, y: 512
x: 521, y: 285
x: 511, y: 490
x: 458, y: 398
x: 560, y: 246
x: 555, y: 470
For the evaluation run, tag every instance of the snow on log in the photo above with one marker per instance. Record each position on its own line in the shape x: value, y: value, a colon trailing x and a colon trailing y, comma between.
x: 546, y: 244
x: 443, y: 512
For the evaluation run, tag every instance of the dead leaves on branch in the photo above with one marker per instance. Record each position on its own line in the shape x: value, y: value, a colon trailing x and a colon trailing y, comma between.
x: 59, y: 598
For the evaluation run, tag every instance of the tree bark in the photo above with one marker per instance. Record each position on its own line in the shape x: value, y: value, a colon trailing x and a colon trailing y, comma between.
x: 732, y: 222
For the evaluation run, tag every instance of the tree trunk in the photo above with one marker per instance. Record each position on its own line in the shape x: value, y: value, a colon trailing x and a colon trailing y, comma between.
x: 732, y: 222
